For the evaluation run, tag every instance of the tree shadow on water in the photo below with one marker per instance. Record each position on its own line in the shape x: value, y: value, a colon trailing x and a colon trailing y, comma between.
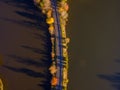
x: 46, y: 85
x: 29, y: 61
x: 31, y: 16
x: 114, y: 79
x: 44, y: 38
x: 46, y: 53
x: 31, y: 73
x: 38, y: 63
x: 37, y: 50
x: 26, y: 71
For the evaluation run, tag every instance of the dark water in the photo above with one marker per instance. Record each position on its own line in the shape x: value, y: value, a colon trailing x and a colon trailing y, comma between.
x: 94, y: 49
x: 95, y: 45
x: 24, y: 46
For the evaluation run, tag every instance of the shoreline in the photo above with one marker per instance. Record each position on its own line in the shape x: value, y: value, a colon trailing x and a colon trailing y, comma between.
x: 58, y: 16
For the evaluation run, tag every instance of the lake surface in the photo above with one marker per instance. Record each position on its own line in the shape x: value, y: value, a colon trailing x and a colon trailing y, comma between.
x: 94, y: 50
x: 95, y: 45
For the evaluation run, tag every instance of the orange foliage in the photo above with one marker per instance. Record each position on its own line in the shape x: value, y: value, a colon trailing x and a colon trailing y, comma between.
x: 54, y: 81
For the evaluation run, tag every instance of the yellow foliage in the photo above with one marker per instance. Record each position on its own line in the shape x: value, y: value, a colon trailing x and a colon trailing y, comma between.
x: 51, y: 27
x: 50, y: 20
x: 1, y: 84
x: 49, y: 13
